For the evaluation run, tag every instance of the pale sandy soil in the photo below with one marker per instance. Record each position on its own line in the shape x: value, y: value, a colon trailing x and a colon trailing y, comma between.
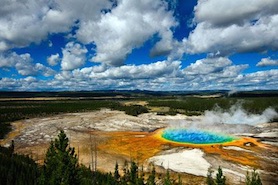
x: 116, y: 136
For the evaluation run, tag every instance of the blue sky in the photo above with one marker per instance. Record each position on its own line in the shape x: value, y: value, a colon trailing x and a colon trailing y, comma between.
x: 160, y: 45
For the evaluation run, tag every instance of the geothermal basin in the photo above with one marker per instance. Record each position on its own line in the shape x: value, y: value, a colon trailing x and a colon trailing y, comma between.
x: 166, y: 141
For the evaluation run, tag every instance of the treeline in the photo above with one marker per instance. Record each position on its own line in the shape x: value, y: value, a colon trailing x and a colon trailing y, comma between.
x: 61, y: 167
x: 195, y: 105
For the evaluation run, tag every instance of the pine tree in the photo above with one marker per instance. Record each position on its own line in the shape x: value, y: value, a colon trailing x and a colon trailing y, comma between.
x: 210, y: 180
x: 116, y: 172
x: 179, y: 180
x: 167, y: 179
x: 126, y: 177
x: 141, y: 179
x: 220, y: 178
x: 11, y: 148
x: 253, y: 179
x: 151, y: 179
x: 61, y: 163
x: 133, y: 173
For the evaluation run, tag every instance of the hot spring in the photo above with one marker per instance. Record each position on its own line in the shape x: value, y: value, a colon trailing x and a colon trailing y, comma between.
x: 195, y: 136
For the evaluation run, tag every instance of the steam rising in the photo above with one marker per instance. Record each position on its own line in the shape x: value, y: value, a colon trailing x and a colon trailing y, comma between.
x: 237, y: 115
x: 235, y: 120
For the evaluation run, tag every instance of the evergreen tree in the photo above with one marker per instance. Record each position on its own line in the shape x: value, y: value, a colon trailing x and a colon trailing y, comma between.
x: 167, y: 179
x: 220, y: 178
x: 11, y: 148
x: 253, y: 179
x: 133, y: 173
x: 61, y: 163
x: 141, y: 179
x: 179, y: 180
x: 126, y: 177
x: 17, y: 169
x: 210, y: 180
x: 116, y: 172
x: 151, y: 179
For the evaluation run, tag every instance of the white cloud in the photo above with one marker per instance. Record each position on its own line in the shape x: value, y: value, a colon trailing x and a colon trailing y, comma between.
x: 204, y: 74
x: 164, y: 46
x: 45, y: 71
x: 258, y: 80
x: 74, y: 56
x: 28, y: 21
x: 24, y: 84
x: 226, y: 12
x: 115, y: 33
x: 126, y: 27
x: 3, y: 46
x: 207, y: 66
x: 223, y: 31
x: 64, y: 75
x: 53, y: 60
x: 148, y: 76
x: 144, y: 71
x: 50, y: 44
x: 267, y: 62
x: 159, y: 76
x: 24, y: 64
x: 8, y: 60
x: 234, y: 38
x: 212, y: 73
x: 20, y: 23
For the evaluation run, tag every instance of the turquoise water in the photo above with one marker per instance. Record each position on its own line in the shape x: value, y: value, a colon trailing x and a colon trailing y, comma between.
x: 195, y: 136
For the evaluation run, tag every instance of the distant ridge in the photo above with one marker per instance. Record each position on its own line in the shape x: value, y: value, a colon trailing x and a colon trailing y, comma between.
x: 136, y: 93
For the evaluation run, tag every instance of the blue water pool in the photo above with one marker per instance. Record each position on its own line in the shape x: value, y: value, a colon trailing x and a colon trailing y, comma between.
x: 195, y: 136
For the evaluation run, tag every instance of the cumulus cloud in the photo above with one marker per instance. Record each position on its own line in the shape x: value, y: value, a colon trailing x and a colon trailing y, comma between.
x: 115, y: 28
x: 28, y: 21
x: 126, y: 27
x: 259, y: 80
x: 24, y: 64
x: 207, y: 66
x: 212, y: 73
x: 74, y: 56
x: 147, y: 76
x: 267, y: 62
x: 224, y: 14
x: 164, y: 46
x: 160, y: 76
x: 223, y: 32
x: 219, y: 69
x: 143, y: 71
x: 53, y: 60
x: 28, y: 83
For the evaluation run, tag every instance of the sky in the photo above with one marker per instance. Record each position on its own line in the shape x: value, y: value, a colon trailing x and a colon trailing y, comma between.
x: 157, y: 45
